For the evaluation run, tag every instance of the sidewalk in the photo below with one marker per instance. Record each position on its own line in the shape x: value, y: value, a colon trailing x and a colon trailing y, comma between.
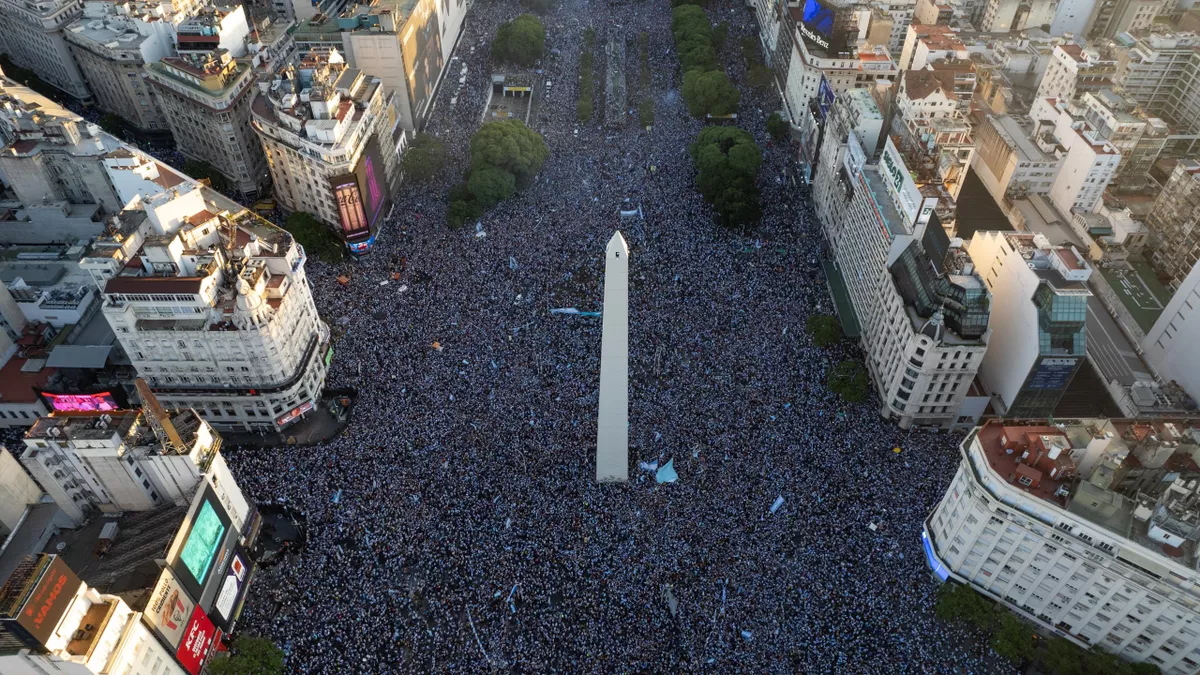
x: 317, y: 426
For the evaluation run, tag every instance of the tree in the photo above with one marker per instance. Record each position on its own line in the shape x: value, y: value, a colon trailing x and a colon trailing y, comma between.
x: 584, y: 109
x: 511, y: 146
x: 689, y: 19
x: 112, y: 124
x: 425, y: 158
x: 250, y: 656
x: 737, y: 204
x: 216, y: 179
x: 709, y: 93
x: 463, y: 211
x: 727, y: 163
x: 759, y: 76
x: 521, y: 41
x: 1062, y: 657
x: 824, y: 329
x: 1013, y: 639
x: 490, y: 185
x: 848, y: 379
x: 317, y: 239
x: 719, y: 35
x: 778, y: 127
x: 959, y: 602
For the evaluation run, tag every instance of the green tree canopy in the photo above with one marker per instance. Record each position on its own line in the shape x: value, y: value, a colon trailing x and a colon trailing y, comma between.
x: 824, y: 329
x: 709, y: 93
x: 959, y: 602
x: 690, y: 18
x: 511, y: 146
x: 778, y: 127
x: 462, y: 211
x: 722, y: 155
x: 491, y: 185
x: 317, y: 239
x: 848, y: 379
x: 521, y: 41
x: 719, y: 34
x: 1013, y: 639
x: 249, y: 656
x: 425, y: 158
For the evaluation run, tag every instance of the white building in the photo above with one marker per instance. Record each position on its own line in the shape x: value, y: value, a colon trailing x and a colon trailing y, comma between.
x: 329, y: 131
x: 922, y: 309
x: 32, y: 33
x: 925, y: 44
x: 17, y: 491
x: 1170, y: 346
x: 1089, y: 531
x: 1009, y: 163
x: 116, y: 461
x: 1072, y: 71
x: 1089, y: 161
x: 91, y: 633
x: 1039, y: 318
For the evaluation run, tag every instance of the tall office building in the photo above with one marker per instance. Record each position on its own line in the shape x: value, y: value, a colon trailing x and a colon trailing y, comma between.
x: 1170, y: 345
x: 332, y: 139
x: 1039, y: 318
x: 111, y: 43
x: 1073, y: 71
x: 1174, y: 224
x: 922, y: 309
x: 33, y: 35
x: 1161, y: 71
x: 1087, y: 530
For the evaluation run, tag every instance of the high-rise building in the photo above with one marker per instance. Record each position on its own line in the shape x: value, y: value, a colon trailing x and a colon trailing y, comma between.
x: 1039, y: 320
x: 1009, y: 163
x: 111, y: 43
x: 1089, y: 160
x: 33, y: 35
x: 332, y: 139
x: 926, y: 43
x: 213, y: 309
x: 1087, y: 530
x: 53, y: 158
x: 407, y: 44
x: 922, y: 309
x: 1002, y: 16
x: 205, y: 90
x: 1161, y: 71
x: 1174, y: 224
x: 929, y: 128
x: 1140, y: 138
x: 1073, y: 71
x: 1110, y: 17
x: 1170, y: 345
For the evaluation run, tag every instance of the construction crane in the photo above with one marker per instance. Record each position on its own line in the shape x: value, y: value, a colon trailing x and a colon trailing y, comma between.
x: 159, y: 420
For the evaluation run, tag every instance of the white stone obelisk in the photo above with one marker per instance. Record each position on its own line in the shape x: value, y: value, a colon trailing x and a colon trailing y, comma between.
x: 612, y: 427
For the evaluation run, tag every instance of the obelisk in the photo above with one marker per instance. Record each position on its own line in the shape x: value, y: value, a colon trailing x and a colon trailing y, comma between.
x: 612, y: 424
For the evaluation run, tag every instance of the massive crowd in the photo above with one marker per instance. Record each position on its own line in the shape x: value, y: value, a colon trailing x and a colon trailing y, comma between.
x: 468, y: 533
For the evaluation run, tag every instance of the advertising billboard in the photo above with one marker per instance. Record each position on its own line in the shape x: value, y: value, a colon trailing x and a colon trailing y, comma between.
x: 169, y: 609
x: 99, y: 401
x: 293, y: 414
x: 819, y: 27
x: 421, y: 51
x: 197, y: 640
x: 825, y: 97
x: 203, y: 545
x: 350, y: 205
x: 905, y: 195
x: 49, y: 600
x: 233, y: 590
x: 1052, y: 374
x: 372, y: 184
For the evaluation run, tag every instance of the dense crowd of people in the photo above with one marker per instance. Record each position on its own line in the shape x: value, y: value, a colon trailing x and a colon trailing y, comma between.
x: 468, y: 532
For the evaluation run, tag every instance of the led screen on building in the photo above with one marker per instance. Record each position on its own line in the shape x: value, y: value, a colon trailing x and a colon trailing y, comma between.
x: 372, y: 184
x: 348, y: 198
x: 229, y: 598
x: 204, y: 547
x: 49, y: 600
x: 197, y: 641
x: 99, y: 401
x: 819, y: 26
x: 202, y: 542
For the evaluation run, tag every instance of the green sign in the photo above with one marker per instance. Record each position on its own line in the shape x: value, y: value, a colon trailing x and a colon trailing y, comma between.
x: 328, y: 357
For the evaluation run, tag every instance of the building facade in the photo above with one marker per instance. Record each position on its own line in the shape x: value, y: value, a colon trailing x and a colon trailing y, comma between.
x: 922, y: 309
x: 1087, y: 530
x: 1170, y: 346
x: 332, y: 138
x: 111, y: 43
x: 33, y: 34
x: 1039, y: 320
x: 1161, y: 71
x: 1174, y: 224
x: 206, y: 101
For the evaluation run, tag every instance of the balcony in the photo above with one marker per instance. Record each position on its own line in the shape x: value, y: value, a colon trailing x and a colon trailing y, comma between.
x: 91, y: 627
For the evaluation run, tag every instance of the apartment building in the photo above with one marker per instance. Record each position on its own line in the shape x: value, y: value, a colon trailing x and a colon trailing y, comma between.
x: 1039, y: 318
x: 1088, y: 530
x: 1161, y: 71
x: 205, y: 98
x: 900, y: 14
x: 407, y: 45
x: 53, y: 160
x: 1008, y: 162
x: 1174, y: 224
x: 929, y: 129
x: 924, y: 44
x: 1170, y: 346
x: 1089, y: 161
x: 1108, y: 18
x: 1002, y: 16
x: 1140, y: 138
x: 332, y: 137
x: 1073, y: 71
x: 111, y: 43
x: 922, y: 308
x: 33, y: 35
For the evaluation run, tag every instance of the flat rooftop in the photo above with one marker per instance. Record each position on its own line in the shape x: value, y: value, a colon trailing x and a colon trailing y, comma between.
x: 1017, y: 138
x: 1139, y: 290
x: 879, y: 193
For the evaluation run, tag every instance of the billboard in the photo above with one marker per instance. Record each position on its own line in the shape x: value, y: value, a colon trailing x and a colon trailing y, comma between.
x: 201, y: 550
x: 99, y: 401
x: 49, y: 600
x: 421, y: 51
x: 818, y: 26
x: 350, y: 205
x: 294, y: 414
x: 197, y: 640
x: 905, y: 195
x: 372, y: 184
x: 825, y: 97
x: 233, y: 590
x: 169, y: 609
x: 1052, y: 374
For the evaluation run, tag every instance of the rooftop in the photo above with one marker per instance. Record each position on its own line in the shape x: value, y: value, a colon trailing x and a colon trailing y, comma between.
x: 1017, y: 138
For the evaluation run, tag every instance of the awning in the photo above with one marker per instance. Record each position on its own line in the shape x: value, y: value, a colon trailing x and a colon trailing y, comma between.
x: 79, y: 356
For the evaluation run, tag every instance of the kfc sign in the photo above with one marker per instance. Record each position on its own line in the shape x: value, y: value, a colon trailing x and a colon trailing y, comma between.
x: 197, y: 640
